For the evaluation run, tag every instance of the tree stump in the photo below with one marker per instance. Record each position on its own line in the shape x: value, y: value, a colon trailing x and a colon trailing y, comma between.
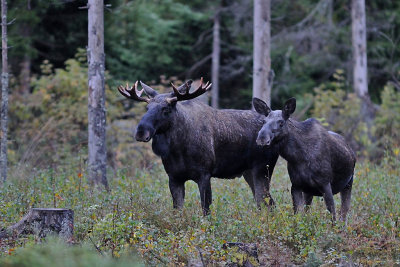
x: 42, y: 222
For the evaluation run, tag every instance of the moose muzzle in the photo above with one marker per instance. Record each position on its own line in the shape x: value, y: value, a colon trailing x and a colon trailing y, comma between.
x: 143, y: 133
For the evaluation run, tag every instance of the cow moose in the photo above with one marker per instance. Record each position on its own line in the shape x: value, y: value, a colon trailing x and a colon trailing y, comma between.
x: 319, y: 162
x: 197, y: 142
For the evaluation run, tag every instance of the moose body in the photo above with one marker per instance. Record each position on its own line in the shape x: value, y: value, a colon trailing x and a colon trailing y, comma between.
x: 320, y: 162
x: 197, y: 142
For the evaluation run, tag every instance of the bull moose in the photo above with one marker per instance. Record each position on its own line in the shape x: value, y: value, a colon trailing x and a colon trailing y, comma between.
x: 320, y: 162
x: 197, y: 142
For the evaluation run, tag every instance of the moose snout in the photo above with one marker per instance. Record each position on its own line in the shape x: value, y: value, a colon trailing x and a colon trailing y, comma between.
x: 263, y: 140
x: 143, y: 134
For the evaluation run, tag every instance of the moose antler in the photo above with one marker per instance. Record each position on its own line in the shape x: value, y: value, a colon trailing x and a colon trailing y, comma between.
x: 133, y: 93
x: 186, y: 95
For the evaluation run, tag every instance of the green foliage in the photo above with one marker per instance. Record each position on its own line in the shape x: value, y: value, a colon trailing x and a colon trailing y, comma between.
x: 52, y: 121
x: 339, y: 111
x: 388, y: 120
x: 47, y: 253
x: 137, y: 216
x: 147, y: 39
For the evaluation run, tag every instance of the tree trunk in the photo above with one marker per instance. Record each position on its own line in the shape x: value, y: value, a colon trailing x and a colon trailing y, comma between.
x: 360, y: 67
x: 96, y: 108
x: 4, y: 93
x: 262, y: 80
x: 42, y: 222
x: 215, y: 61
x: 359, y: 43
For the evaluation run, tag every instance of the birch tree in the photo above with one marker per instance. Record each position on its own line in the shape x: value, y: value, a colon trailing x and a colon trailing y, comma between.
x: 359, y: 45
x: 4, y: 92
x: 216, y: 51
x: 96, y: 102
x: 360, y: 67
x: 262, y: 74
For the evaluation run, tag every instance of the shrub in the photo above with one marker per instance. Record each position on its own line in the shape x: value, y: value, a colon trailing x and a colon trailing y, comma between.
x: 46, y: 254
x: 388, y: 121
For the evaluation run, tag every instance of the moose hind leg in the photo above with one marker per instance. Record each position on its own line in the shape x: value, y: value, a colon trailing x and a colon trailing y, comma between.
x: 345, y: 196
x: 308, y: 199
x: 204, y: 184
x: 329, y: 202
x: 177, y: 190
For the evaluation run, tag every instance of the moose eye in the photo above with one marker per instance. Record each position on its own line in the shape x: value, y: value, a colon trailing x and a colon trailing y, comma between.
x: 281, y: 122
x: 165, y: 111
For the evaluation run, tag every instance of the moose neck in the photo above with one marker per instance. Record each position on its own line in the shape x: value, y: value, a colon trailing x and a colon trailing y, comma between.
x: 184, y: 114
x: 293, y: 145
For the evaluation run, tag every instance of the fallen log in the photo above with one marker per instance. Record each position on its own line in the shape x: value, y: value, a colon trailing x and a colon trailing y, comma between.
x: 41, y: 222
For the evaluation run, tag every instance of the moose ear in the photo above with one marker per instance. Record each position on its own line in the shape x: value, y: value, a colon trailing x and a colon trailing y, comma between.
x: 289, y: 108
x: 149, y: 91
x: 261, y: 107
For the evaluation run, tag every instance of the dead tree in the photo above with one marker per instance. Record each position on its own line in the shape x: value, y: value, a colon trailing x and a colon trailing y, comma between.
x: 96, y: 106
x: 216, y: 51
x: 262, y: 74
x: 42, y: 222
x: 360, y: 67
x: 4, y: 93
x: 359, y: 44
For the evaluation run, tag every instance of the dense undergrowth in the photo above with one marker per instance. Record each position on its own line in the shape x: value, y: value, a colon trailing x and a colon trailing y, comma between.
x: 136, y: 221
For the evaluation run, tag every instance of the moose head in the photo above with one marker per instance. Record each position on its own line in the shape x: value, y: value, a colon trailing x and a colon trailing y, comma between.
x: 161, y: 108
x: 275, y: 123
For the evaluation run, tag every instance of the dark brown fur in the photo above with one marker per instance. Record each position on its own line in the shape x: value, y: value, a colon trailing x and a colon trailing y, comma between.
x: 197, y: 142
x: 320, y: 162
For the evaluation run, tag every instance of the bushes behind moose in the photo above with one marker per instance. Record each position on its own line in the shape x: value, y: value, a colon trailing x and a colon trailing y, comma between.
x: 197, y: 142
x: 320, y: 162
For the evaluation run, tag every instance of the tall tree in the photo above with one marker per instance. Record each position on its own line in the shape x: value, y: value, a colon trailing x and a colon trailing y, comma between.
x: 4, y: 92
x: 360, y: 67
x: 262, y: 74
x: 359, y: 44
x: 216, y: 51
x: 96, y: 101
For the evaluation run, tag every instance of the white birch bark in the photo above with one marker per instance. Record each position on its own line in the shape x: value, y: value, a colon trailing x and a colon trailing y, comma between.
x: 262, y: 82
x: 96, y: 102
x: 359, y: 45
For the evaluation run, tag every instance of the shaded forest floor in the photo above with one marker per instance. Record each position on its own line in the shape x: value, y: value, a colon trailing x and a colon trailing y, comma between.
x: 136, y: 218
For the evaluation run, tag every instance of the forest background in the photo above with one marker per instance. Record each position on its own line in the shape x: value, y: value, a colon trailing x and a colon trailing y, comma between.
x: 162, y: 41
x: 166, y: 41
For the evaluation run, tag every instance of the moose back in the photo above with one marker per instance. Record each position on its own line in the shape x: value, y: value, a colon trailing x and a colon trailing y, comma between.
x: 197, y: 142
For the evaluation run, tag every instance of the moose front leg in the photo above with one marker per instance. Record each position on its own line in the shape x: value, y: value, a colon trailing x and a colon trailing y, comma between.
x: 178, y: 193
x: 297, y: 198
x: 261, y: 182
x: 204, y: 185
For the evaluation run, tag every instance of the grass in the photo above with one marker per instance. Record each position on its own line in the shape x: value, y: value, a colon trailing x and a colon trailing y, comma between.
x: 137, y: 218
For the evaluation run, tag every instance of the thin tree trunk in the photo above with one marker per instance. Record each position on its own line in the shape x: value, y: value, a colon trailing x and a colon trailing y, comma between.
x: 262, y: 80
x: 359, y: 40
x: 96, y: 101
x: 360, y: 67
x: 4, y: 93
x: 215, y: 61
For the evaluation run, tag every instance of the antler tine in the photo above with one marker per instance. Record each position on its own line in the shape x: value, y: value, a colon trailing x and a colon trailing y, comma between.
x: 187, y: 95
x: 133, y: 92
